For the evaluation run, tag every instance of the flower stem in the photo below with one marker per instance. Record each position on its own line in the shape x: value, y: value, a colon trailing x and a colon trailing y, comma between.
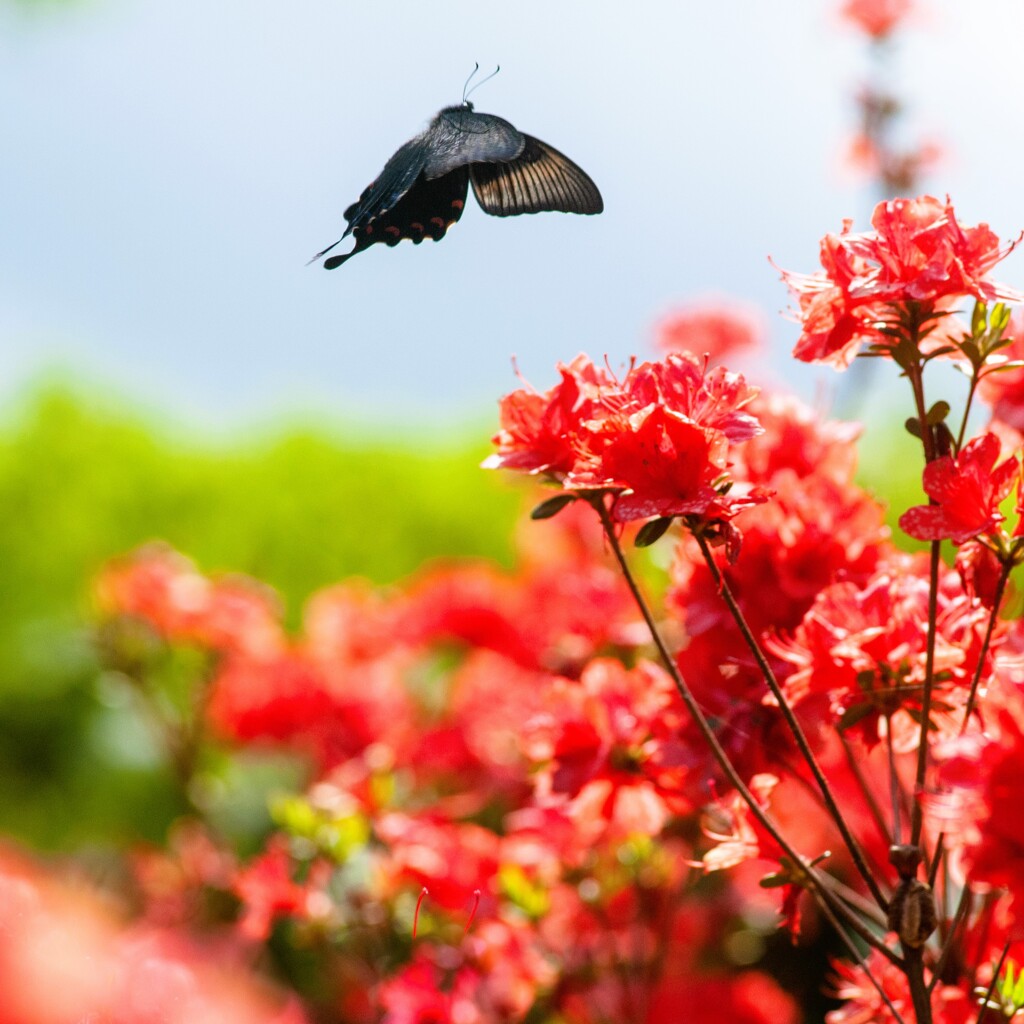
x: 913, y: 966
x: 791, y: 720
x: 917, y: 815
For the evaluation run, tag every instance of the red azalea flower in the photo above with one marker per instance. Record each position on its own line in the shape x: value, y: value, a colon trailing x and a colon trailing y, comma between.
x: 416, y: 995
x: 989, y: 770
x: 916, y: 253
x: 538, y: 431
x: 711, y: 397
x: 876, y: 17
x: 967, y: 489
x: 863, y: 647
x: 714, y: 329
x: 454, y: 860
x: 668, y: 465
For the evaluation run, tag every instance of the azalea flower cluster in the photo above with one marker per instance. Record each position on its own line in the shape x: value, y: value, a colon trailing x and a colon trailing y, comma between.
x: 917, y: 262
x: 659, y: 439
x: 536, y: 794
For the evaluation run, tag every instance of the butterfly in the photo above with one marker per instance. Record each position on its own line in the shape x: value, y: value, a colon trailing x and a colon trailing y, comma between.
x: 422, y: 190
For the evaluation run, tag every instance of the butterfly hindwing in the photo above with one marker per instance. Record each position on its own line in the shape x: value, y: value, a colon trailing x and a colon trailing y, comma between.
x: 427, y: 210
x: 540, y: 179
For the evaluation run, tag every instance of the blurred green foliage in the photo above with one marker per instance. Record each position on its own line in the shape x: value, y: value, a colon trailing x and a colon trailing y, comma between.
x: 299, y: 510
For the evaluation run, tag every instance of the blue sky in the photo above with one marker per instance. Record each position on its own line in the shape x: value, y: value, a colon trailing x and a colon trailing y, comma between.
x: 172, y: 164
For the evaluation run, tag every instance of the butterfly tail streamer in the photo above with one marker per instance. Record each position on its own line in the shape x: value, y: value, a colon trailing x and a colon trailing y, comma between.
x: 324, y: 252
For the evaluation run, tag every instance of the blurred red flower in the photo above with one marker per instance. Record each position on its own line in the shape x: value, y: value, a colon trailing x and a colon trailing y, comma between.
x: 232, y: 613
x: 717, y: 329
x: 876, y: 17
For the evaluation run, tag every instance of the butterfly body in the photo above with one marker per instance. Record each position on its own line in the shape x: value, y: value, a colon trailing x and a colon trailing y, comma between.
x: 422, y: 189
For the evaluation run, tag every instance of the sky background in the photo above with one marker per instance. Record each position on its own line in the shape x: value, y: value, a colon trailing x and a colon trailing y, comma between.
x: 169, y: 166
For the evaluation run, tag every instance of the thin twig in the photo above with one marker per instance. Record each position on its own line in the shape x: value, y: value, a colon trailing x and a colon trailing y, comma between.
x: 993, y: 983
x: 1004, y: 575
x: 917, y: 811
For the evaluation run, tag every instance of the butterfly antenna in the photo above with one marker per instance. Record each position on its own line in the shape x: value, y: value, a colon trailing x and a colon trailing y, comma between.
x: 476, y: 68
x: 466, y: 95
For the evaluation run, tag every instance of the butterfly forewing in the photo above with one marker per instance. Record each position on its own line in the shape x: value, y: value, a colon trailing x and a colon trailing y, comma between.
x: 427, y: 210
x: 540, y: 179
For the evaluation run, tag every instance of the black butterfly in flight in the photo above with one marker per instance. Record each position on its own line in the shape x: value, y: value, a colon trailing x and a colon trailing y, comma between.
x: 422, y: 190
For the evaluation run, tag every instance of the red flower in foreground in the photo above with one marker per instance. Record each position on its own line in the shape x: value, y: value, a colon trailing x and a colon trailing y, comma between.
x: 967, y: 488
x: 916, y: 253
x: 659, y: 439
x: 876, y: 17
x: 64, y: 958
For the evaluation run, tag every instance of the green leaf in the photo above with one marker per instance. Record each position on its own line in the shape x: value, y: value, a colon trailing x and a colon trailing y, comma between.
x: 937, y: 413
x: 552, y: 506
x: 913, y: 426
x: 652, y: 531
